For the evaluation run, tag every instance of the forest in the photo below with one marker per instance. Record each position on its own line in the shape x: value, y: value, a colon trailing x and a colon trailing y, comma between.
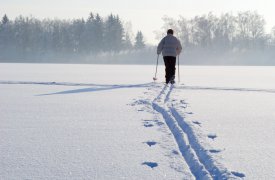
x: 225, y: 39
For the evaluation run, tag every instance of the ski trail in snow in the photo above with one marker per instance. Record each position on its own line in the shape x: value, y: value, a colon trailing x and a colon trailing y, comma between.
x: 89, y: 87
x: 53, y: 83
x: 226, y: 89
x: 199, y: 160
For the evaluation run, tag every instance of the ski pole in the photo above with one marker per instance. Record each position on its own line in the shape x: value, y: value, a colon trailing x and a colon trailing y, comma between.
x: 179, y: 68
x: 155, y: 78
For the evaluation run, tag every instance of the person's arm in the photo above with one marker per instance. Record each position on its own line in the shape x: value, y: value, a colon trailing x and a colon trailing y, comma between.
x: 160, y: 47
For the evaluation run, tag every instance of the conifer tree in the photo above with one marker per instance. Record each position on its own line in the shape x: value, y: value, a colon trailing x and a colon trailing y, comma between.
x: 139, y: 43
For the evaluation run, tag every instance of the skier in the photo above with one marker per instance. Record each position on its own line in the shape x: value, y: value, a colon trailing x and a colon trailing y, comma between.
x: 170, y: 47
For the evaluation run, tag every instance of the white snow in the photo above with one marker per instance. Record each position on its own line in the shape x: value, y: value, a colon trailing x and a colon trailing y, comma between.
x: 111, y: 122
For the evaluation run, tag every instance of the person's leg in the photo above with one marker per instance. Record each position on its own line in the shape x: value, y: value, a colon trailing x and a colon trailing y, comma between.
x: 173, y: 67
x: 166, y: 62
x: 170, y: 66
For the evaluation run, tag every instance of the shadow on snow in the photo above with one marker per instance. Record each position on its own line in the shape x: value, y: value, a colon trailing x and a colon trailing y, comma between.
x: 98, y: 88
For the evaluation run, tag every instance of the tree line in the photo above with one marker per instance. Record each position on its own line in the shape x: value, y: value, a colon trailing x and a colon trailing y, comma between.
x: 29, y: 37
x: 244, y: 31
x: 218, y: 39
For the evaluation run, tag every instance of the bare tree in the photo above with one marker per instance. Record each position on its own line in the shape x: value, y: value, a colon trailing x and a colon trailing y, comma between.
x: 225, y: 31
x: 250, y: 26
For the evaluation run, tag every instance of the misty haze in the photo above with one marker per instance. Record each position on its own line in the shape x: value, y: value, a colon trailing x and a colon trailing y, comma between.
x: 206, y: 39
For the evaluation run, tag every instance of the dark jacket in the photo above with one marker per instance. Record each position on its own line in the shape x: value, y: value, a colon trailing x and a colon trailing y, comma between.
x: 169, y: 46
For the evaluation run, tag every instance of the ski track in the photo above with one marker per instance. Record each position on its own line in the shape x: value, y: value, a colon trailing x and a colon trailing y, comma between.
x: 53, y: 83
x: 136, y: 85
x: 226, y: 89
x: 199, y: 159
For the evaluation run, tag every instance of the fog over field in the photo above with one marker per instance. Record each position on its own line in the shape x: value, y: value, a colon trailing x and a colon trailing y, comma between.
x: 229, y: 37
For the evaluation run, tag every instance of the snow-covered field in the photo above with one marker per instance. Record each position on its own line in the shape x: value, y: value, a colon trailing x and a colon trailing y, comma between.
x: 111, y: 122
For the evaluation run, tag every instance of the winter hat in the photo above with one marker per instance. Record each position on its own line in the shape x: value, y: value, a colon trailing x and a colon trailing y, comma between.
x: 170, y: 31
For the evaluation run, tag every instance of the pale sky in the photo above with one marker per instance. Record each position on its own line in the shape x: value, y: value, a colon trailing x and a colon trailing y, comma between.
x: 145, y: 15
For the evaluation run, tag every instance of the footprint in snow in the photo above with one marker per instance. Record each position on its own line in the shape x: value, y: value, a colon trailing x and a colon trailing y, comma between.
x: 151, y: 143
x: 215, y: 150
x: 159, y: 123
x: 184, y: 107
x: 212, y: 136
x: 150, y: 164
x: 141, y: 102
x: 238, y: 174
x: 175, y: 152
x: 147, y: 123
x: 151, y: 122
x: 182, y: 102
x: 197, y: 123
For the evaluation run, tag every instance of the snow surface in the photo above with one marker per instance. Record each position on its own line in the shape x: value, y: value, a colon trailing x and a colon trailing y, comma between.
x: 111, y: 122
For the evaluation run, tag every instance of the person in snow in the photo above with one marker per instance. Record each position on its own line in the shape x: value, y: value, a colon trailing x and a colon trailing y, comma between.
x: 170, y: 47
